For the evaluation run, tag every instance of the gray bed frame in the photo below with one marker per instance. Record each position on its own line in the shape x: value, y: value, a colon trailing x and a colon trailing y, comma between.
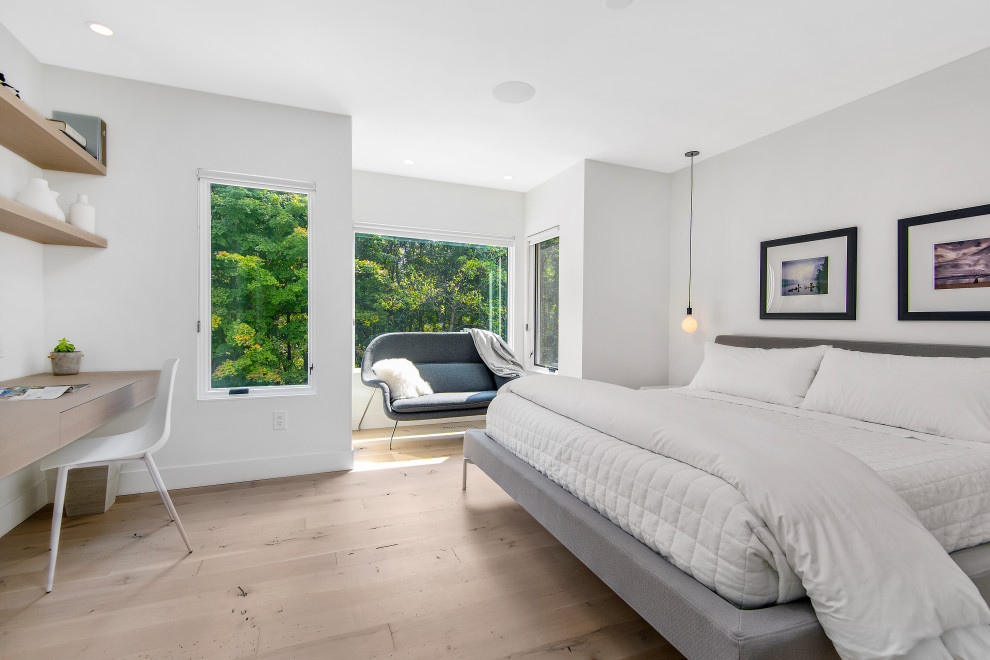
x: 698, y: 622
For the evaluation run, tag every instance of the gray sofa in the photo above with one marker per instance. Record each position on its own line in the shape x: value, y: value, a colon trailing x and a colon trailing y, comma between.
x: 462, y: 384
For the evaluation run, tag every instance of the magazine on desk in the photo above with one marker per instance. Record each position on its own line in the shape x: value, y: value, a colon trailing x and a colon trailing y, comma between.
x: 37, y: 392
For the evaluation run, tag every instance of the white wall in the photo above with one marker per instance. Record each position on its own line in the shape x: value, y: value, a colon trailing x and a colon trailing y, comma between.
x: 626, y: 274
x: 560, y: 202
x: 417, y: 203
x: 22, y: 344
x: 21, y: 295
x: 614, y: 229
x: 916, y: 148
x: 135, y: 303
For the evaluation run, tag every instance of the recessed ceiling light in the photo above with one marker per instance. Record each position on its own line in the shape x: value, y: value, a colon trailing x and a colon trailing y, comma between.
x: 507, y: 177
x: 99, y: 28
x: 514, y: 92
x: 408, y: 162
x: 617, y: 4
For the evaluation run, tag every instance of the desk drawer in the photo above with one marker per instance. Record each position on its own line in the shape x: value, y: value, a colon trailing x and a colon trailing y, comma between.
x: 82, y: 419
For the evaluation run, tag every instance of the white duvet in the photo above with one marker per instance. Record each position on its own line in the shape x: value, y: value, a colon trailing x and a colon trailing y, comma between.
x: 689, y: 476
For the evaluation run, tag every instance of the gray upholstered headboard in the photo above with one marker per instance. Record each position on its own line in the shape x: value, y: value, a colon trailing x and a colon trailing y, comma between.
x: 927, y: 350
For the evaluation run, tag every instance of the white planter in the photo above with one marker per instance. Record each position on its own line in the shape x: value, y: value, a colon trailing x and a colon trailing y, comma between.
x: 82, y: 215
x: 38, y: 196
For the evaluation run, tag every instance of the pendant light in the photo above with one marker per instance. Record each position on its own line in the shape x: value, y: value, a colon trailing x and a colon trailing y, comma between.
x: 689, y: 324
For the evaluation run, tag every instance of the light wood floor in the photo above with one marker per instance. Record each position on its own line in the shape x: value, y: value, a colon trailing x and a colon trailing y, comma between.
x: 391, y: 560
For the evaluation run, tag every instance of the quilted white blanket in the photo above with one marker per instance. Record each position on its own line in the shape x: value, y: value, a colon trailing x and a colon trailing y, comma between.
x: 882, y: 585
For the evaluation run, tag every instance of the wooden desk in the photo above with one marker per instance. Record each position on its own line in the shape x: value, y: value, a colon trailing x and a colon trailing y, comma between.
x: 30, y: 430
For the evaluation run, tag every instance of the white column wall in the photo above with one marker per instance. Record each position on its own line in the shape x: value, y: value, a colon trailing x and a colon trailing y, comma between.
x: 626, y: 274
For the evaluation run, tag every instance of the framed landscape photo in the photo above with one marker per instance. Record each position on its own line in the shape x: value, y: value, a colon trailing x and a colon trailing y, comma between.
x: 943, y: 266
x: 812, y: 276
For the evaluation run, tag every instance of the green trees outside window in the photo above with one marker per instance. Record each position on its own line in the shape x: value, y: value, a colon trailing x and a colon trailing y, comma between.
x: 417, y: 285
x: 546, y: 350
x: 259, y: 265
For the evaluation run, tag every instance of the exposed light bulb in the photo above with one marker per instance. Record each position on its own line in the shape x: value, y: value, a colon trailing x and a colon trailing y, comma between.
x: 689, y: 324
x: 408, y: 161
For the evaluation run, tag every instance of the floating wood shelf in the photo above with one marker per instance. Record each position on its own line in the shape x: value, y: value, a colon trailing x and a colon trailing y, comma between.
x: 24, y: 221
x: 34, y: 138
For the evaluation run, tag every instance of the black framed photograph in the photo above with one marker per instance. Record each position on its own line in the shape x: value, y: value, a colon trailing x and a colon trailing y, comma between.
x: 943, y: 266
x: 812, y: 276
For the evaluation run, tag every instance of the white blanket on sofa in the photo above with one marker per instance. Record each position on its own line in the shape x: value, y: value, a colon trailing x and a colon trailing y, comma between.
x: 881, y: 585
x: 496, y: 354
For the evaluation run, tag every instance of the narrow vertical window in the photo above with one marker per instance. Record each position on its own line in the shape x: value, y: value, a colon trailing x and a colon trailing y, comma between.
x: 256, y: 323
x: 547, y: 296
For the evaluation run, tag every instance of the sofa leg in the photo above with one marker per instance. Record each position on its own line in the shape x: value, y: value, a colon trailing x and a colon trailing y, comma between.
x: 393, y: 435
x: 366, y: 406
x: 464, y: 473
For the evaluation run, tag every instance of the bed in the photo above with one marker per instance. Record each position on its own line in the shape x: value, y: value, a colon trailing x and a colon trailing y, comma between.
x: 692, y: 616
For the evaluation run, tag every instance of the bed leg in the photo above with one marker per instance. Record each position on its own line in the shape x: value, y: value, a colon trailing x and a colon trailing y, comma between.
x: 464, y: 473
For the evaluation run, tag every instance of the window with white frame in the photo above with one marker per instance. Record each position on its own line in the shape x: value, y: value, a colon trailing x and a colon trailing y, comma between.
x: 256, y: 296
x: 408, y: 280
x: 545, y: 292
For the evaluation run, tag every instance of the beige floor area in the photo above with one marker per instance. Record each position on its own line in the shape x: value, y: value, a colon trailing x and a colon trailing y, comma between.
x: 391, y: 560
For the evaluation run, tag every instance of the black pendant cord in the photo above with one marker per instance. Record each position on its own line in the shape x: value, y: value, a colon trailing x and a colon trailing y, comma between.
x: 691, y: 155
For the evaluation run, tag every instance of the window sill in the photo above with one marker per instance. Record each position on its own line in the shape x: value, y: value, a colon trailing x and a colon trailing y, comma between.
x: 257, y: 393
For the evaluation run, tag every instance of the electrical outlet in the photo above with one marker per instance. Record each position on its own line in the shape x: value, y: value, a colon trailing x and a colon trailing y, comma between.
x: 280, y: 420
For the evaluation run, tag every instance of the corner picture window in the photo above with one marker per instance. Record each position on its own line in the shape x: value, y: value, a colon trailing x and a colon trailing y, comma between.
x: 255, y: 323
x: 419, y: 284
x: 546, y: 296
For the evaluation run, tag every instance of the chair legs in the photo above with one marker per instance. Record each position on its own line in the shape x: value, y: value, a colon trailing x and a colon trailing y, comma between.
x: 63, y: 474
x: 153, y: 469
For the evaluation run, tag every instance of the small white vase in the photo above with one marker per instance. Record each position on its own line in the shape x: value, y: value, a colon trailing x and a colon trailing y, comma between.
x: 82, y: 214
x: 38, y: 196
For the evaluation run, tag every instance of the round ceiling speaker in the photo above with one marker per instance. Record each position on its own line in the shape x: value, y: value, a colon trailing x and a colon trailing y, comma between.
x: 514, y: 92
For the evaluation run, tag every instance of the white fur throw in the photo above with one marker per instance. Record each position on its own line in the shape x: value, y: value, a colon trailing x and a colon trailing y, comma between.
x: 402, y: 378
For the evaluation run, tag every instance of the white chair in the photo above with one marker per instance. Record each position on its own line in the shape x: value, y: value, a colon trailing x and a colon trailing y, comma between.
x: 137, y: 445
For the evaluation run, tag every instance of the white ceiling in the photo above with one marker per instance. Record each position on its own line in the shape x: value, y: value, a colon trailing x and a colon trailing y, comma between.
x: 637, y: 87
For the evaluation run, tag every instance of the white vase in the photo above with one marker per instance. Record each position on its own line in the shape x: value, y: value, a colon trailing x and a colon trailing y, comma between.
x: 82, y: 214
x: 38, y: 196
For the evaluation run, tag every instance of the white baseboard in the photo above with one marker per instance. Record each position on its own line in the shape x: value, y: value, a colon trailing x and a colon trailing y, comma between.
x: 134, y: 478
x: 22, y: 507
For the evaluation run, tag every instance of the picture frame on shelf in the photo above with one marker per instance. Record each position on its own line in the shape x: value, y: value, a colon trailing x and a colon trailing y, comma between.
x: 811, y: 276
x: 943, y: 266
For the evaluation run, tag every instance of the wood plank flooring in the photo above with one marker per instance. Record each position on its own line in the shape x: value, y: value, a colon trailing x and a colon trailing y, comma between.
x: 391, y: 560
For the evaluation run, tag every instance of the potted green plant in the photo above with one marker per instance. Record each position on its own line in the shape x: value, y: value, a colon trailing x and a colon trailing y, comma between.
x: 65, y: 359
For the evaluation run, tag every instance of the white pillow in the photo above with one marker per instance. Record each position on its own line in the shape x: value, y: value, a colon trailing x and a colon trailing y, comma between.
x: 939, y: 395
x: 402, y: 378
x: 774, y: 375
